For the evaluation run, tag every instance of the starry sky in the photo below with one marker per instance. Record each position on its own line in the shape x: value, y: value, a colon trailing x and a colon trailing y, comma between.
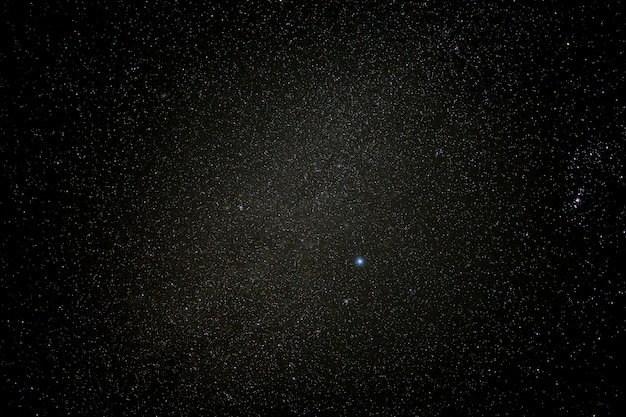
x: 303, y: 208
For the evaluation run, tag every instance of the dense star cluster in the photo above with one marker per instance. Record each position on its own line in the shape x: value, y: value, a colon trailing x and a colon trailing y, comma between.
x: 313, y: 208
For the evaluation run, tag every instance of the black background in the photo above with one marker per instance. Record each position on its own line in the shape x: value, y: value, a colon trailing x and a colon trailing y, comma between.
x: 185, y: 190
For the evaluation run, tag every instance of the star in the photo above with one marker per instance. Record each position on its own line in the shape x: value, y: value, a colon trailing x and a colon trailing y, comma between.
x: 359, y: 261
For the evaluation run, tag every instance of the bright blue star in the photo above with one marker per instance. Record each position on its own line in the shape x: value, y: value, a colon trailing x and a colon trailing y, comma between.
x: 359, y: 261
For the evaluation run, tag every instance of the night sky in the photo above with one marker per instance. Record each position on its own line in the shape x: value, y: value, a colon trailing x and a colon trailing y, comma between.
x: 313, y: 208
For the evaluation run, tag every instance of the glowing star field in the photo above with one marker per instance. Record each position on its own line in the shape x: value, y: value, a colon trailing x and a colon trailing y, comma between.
x: 312, y: 208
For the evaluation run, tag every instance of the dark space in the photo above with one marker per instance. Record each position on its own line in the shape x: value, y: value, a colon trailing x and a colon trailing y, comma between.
x: 313, y: 208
